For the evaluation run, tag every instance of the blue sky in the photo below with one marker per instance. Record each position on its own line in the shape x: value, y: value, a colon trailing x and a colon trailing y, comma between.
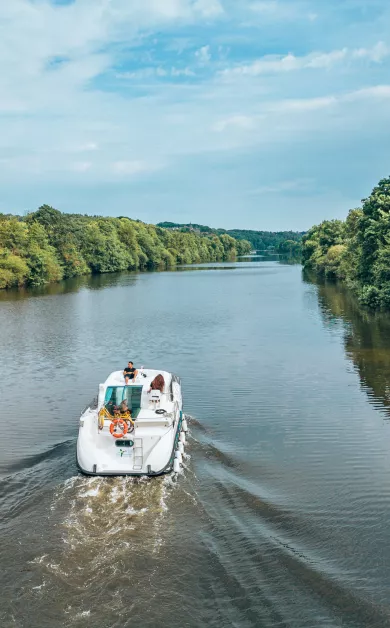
x: 263, y: 114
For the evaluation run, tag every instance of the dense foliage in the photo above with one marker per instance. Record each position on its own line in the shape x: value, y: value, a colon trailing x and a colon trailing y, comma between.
x: 259, y: 240
x: 357, y: 250
x: 48, y: 245
x: 291, y: 248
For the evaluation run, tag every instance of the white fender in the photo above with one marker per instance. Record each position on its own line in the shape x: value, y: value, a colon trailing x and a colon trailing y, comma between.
x: 184, y: 426
x: 182, y: 437
x: 180, y: 448
x: 178, y: 456
x: 176, y: 466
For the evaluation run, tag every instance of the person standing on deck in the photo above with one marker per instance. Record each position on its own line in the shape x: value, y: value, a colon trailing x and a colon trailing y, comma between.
x: 130, y: 373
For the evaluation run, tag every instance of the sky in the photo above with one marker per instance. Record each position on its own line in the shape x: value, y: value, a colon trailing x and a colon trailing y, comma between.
x: 256, y: 114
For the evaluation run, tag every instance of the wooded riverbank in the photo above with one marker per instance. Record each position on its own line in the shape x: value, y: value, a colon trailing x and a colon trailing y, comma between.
x: 356, y: 250
x: 47, y: 246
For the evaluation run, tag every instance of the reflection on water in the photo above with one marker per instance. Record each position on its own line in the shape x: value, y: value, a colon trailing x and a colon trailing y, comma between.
x: 91, y: 282
x: 99, y: 282
x: 366, y: 337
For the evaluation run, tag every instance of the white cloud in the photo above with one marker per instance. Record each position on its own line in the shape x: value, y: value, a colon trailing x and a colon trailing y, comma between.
x: 306, y: 104
x: 182, y: 72
x: 131, y: 167
x: 376, y: 54
x: 274, y: 10
x: 236, y: 121
x: 150, y: 72
x: 88, y: 146
x: 208, y: 8
x: 295, y: 185
x: 377, y: 92
x: 81, y: 166
x: 203, y: 55
x: 274, y: 64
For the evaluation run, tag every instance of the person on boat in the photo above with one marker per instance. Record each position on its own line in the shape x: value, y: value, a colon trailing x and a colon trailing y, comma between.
x: 123, y: 407
x: 157, y: 384
x: 130, y: 372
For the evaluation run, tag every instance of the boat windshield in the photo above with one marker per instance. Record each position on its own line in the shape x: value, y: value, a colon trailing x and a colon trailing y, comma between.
x: 116, y: 394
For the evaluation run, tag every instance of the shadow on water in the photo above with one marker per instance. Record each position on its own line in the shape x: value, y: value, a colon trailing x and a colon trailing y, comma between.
x: 366, y: 337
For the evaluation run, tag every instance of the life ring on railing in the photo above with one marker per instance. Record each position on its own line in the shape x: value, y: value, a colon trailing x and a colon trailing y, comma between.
x: 114, y: 424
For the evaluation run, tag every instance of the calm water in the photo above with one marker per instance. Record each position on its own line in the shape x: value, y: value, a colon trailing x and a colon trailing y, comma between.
x: 281, y: 516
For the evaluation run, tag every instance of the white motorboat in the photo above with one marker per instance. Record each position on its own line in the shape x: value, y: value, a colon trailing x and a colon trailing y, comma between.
x: 134, y: 430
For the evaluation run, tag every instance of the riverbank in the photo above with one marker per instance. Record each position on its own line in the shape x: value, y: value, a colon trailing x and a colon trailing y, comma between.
x: 46, y: 246
x: 357, y: 250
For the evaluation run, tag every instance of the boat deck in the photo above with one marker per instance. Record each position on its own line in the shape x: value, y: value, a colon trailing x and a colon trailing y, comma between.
x: 144, y: 379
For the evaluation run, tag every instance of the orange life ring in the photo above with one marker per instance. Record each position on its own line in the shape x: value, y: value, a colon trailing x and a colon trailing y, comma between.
x: 114, y: 424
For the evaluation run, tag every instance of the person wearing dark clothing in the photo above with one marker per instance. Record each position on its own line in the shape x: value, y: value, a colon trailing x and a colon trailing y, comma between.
x: 157, y: 384
x: 130, y: 373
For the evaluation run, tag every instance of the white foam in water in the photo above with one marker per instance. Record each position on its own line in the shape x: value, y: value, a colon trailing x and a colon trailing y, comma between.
x: 69, y: 483
x: 115, y: 530
x: 91, y: 493
x: 114, y: 495
x: 38, y: 560
x: 57, y: 569
x: 39, y: 587
x: 83, y: 614
x: 132, y: 511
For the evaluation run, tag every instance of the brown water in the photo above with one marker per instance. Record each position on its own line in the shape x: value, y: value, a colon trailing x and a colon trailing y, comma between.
x: 281, y: 515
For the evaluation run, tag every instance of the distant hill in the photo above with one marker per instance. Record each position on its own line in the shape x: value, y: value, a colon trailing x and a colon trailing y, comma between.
x: 259, y: 239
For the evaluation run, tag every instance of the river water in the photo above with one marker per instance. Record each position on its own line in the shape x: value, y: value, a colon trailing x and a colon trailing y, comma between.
x: 281, y: 515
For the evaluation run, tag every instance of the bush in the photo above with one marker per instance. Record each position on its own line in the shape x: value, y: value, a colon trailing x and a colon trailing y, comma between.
x: 333, y: 260
x: 13, y: 269
x: 7, y: 279
x: 43, y: 267
x: 385, y: 298
x: 370, y: 296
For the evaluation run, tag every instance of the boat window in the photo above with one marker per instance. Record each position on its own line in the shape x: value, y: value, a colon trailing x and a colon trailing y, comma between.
x: 116, y: 394
x: 133, y: 395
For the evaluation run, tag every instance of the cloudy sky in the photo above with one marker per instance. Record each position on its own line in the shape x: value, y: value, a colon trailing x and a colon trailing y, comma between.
x: 264, y: 114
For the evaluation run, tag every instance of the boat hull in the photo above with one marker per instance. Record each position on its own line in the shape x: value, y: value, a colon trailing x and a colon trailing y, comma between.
x: 93, y: 469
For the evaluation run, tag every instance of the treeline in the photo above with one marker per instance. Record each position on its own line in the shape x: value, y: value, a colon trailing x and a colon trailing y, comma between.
x: 47, y: 246
x: 356, y: 250
x: 282, y: 241
x: 291, y: 248
x: 263, y: 240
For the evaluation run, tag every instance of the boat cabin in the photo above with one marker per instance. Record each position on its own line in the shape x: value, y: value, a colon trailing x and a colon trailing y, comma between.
x: 114, y: 395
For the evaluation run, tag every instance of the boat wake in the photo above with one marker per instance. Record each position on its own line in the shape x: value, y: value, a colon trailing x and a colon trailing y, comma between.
x: 111, y: 535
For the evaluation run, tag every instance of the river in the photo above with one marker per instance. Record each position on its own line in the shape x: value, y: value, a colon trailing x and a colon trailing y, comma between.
x: 281, y: 515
